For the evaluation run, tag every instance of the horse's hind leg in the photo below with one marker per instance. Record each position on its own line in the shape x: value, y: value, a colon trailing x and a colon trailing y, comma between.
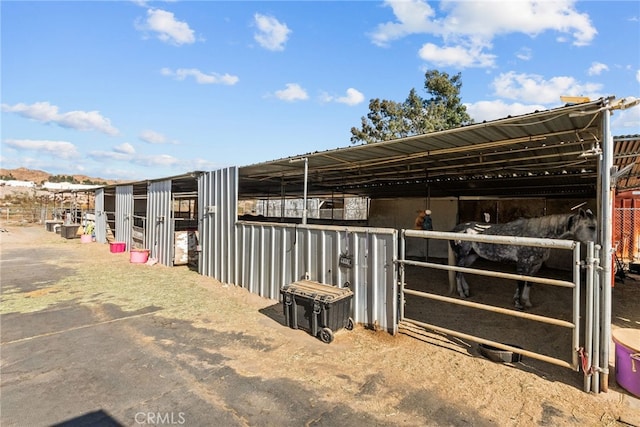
x: 517, y: 297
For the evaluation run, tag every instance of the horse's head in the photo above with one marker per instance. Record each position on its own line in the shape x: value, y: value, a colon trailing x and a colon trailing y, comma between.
x: 583, y: 226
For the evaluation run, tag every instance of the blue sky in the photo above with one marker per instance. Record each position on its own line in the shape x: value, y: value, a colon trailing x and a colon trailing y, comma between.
x: 134, y: 90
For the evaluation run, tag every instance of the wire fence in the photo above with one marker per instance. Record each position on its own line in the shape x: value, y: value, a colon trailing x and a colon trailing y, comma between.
x: 626, y: 234
x: 40, y: 214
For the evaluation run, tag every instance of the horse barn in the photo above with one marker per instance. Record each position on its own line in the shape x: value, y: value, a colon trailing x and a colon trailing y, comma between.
x: 231, y: 224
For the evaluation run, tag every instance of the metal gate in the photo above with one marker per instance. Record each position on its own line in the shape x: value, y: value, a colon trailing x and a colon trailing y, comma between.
x: 159, y: 225
x: 101, y: 217
x: 124, y: 214
x: 580, y: 355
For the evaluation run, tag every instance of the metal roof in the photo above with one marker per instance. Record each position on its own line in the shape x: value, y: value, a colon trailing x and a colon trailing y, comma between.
x: 626, y: 154
x: 552, y: 153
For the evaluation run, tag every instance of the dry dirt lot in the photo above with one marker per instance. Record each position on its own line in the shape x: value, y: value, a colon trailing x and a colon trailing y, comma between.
x: 88, y: 336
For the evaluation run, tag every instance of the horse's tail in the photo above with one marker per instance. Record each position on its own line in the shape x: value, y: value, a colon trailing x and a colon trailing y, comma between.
x: 452, y: 274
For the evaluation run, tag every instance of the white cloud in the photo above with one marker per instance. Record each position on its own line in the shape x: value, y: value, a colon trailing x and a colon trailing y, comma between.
x: 638, y: 76
x: 524, y: 54
x: 156, y: 160
x: 167, y: 27
x: 413, y: 17
x: 152, y: 137
x: 597, y: 68
x: 498, y: 109
x: 468, y: 27
x: 626, y: 122
x: 293, y: 92
x: 352, y: 97
x: 58, y: 149
x: 124, y: 151
x: 458, y: 56
x: 272, y: 34
x: 124, y: 148
x: 200, y: 77
x: 78, y: 120
x: 532, y: 17
x: 86, y: 120
x: 532, y: 88
x: 112, y: 155
x: 40, y: 111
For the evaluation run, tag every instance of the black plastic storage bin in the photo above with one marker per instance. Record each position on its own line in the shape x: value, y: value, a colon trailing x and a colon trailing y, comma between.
x: 317, y: 308
x: 69, y: 231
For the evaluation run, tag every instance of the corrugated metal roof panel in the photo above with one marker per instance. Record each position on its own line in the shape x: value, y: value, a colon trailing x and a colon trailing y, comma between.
x: 626, y: 153
x: 551, y: 152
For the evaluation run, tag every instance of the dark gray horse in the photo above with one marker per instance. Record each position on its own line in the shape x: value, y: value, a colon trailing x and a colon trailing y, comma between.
x: 580, y: 226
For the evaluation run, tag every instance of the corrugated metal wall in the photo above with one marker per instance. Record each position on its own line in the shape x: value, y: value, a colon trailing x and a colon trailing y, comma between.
x: 160, y: 222
x: 101, y: 218
x: 218, y: 212
x: 124, y: 214
x: 270, y: 255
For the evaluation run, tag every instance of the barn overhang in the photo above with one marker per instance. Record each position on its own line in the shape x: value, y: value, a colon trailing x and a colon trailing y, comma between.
x: 551, y: 153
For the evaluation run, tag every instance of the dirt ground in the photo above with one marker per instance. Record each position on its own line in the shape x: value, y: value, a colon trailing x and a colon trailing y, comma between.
x: 86, y: 336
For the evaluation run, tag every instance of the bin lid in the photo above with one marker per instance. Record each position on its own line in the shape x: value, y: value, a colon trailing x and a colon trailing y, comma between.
x: 627, y: 337
x: 317, y: 290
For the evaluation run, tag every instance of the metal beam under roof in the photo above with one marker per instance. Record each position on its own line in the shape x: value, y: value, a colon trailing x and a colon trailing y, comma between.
x: 551, y: 153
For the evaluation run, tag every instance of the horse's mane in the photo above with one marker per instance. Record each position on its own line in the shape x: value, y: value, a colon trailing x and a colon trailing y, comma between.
x: 550, y: 226
x: 547, y: 226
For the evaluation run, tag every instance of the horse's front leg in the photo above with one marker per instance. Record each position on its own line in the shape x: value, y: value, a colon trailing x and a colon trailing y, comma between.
x: 462, y: 285
x: 525, y: 295
x: 464, y: 259
x: 529, y: 263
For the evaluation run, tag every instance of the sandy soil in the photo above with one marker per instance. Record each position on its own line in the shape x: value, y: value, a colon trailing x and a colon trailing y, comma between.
x: 414, y: 378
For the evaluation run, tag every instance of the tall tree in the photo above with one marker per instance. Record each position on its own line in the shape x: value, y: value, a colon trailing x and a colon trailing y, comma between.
x: 388, y: 120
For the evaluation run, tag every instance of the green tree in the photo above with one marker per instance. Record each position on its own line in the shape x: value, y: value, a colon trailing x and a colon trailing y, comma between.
x: 388, y: 120
x: 63, y: 178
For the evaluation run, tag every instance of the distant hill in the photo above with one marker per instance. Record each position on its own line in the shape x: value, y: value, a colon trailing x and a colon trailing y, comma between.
x: 38, y: 176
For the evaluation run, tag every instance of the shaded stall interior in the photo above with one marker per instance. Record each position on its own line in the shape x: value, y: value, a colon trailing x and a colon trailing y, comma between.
x: 109, y: 212
x: 184, y: 215
x: 139, y: 223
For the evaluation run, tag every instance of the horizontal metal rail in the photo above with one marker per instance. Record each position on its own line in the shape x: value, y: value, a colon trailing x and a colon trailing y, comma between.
x: 490, y: 238
x: 543, y: 280
x: 492, y: 308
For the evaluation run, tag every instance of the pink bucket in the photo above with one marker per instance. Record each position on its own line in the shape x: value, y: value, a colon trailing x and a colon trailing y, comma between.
x: 628, y: 359
x: 86, y: 238
x: 117, y: 247
x: 139, y: 256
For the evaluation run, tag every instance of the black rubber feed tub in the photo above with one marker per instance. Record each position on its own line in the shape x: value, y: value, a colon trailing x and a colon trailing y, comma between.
x: 499, y: 355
